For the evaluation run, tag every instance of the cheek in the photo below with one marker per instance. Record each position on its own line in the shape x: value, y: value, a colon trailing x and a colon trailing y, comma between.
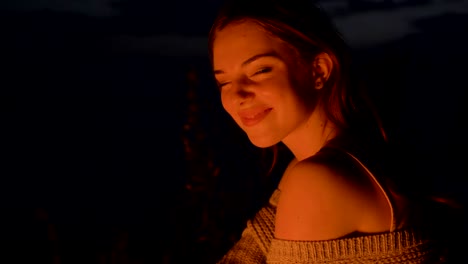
x: 226, y: 103
x: 280, y: 90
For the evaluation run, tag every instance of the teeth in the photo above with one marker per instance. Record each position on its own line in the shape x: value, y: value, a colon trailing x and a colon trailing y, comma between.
x: 253, y: 116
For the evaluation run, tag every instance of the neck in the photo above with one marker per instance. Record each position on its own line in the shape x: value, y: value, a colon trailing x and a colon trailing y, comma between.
x: 309, y: 138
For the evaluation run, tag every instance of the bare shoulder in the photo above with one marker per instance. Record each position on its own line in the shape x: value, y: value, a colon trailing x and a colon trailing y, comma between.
x: 321, y: 199
x: 291, y: 165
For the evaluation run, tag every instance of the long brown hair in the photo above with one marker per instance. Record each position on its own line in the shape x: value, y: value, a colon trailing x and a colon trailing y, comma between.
x: 307, y: 30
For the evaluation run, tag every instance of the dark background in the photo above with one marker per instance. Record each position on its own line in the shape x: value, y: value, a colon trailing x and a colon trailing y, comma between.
x: 115, y: 148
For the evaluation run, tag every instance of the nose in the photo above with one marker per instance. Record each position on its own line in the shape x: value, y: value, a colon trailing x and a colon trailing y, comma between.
x: 242, y: 91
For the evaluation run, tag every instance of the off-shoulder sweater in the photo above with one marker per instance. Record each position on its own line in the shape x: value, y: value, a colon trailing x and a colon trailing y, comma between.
x: 408, y: 245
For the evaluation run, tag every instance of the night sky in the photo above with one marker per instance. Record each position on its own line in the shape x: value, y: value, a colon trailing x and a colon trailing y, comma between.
x: 89, y: 7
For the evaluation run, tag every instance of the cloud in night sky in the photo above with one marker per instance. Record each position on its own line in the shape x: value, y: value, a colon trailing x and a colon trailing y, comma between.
x: 88, y: 7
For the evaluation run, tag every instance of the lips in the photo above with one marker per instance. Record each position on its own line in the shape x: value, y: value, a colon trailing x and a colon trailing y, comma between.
x: 253, y: 116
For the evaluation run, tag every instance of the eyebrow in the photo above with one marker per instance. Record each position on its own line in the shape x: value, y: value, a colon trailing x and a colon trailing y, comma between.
x: 254, y: 58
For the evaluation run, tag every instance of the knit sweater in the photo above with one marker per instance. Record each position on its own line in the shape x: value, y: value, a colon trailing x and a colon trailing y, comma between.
x: 407, y: 245
x: 258, y: 245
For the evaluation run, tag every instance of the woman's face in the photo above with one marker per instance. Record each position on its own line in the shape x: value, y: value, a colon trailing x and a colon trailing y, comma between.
x: 254, y: 72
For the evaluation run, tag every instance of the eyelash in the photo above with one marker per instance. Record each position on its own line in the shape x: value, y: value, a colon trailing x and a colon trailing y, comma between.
x: 221, y: 85
x: 262, y: 70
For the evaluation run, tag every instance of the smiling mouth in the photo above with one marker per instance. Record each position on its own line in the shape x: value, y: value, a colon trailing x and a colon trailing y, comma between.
x: 253, y: 117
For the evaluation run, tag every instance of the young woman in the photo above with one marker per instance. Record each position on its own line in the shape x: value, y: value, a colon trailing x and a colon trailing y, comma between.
x: 284, y: 75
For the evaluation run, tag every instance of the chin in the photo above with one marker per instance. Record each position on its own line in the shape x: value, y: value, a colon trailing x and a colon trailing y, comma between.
x: 263, y: 142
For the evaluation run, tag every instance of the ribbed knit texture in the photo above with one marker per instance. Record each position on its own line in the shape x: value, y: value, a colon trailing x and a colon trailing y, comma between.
x: 258, y: 245
x: 405, y: 246
x: 255, y: 240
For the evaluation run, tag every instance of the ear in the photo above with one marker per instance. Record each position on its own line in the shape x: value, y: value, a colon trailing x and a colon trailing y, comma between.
x: 322, y: 67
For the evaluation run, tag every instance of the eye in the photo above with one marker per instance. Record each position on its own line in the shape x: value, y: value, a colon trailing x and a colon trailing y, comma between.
x: 221, y: 85
x: 263, y: 70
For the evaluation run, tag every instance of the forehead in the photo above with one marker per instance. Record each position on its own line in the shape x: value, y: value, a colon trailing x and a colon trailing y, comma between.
x: 237, y: 42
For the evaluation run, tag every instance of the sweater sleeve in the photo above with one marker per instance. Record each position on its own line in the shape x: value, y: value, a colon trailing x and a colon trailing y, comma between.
x: 255, y: 240
x: 246, y: 250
